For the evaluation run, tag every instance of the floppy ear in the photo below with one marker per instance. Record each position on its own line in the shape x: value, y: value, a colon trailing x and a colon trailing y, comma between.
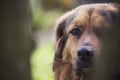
x: 60, y: 36
x: 117, y: 5
x: 116, y: 14
x: 61, y: 39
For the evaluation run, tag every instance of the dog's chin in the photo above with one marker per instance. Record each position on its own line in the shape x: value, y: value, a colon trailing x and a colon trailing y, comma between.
x: 86, y: 71
x: 82, y: 70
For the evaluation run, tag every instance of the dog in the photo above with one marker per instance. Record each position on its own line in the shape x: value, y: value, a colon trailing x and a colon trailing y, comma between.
x: 78, y: 39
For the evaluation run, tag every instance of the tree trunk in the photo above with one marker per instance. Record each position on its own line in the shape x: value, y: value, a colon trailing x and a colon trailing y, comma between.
x: 15, y: 40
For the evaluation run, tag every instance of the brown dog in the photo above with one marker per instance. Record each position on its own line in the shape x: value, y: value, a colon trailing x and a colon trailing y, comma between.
x: 78, y: 39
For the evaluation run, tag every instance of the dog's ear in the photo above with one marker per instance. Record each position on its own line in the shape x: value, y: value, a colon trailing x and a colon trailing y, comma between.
x: 61, y: 38
x: 60, y: 35
x: 116, y: 14
x: 60, y: 30
x: 117, y: 5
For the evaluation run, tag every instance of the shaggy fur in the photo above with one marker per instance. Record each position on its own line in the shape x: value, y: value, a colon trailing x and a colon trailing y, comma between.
x: 92, y: 20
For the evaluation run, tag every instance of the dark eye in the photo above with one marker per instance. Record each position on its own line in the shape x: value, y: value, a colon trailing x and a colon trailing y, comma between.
x: 75, y: 31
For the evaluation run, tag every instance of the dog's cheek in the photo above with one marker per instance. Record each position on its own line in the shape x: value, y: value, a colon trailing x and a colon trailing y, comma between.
x: 58, y: 54
x: 66, y: 56
x: 67, y: 52
x: 74, y: 49
x: 60, y: 45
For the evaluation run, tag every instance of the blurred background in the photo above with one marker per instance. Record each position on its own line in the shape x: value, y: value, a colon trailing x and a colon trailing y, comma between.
x: 44, y: 15
x: 27, y: 37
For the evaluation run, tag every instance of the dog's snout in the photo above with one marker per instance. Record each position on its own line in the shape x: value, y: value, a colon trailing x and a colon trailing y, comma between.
x: 85, y: 53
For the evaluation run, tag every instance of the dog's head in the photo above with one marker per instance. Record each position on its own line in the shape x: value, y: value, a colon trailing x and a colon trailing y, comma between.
x: 78, y: 34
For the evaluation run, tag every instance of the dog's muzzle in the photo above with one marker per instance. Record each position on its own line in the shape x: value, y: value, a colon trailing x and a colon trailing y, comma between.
x: 84, y: 60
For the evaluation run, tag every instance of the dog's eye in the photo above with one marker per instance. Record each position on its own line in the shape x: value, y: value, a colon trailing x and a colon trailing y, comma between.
x: 75, y: 31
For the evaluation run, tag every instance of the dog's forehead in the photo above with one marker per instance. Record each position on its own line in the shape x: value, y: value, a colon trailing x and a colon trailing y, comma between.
x: 97, y: 13
x: 99, y: 6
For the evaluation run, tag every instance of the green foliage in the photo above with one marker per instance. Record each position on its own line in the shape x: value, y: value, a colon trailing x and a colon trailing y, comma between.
x: 42, y: 58
x: 41, y: 61
x: 44, y: 19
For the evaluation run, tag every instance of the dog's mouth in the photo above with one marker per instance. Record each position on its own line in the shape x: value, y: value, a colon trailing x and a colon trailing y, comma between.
x: 82, y: 68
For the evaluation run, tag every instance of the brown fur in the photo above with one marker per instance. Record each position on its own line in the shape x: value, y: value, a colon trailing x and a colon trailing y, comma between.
x: 91, y: 19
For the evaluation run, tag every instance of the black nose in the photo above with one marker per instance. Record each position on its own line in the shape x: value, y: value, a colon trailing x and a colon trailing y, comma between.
x: 85, y: 53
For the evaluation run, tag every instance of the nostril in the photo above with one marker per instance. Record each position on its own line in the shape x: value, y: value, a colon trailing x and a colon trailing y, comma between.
x: 79, y: 54
x: 88, y: 53
x: 85, y: 54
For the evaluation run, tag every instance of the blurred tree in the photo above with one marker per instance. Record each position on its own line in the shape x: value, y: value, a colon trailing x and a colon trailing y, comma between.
x: 15, y: 40
x: 53, y: 4
x: 68, y: 4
